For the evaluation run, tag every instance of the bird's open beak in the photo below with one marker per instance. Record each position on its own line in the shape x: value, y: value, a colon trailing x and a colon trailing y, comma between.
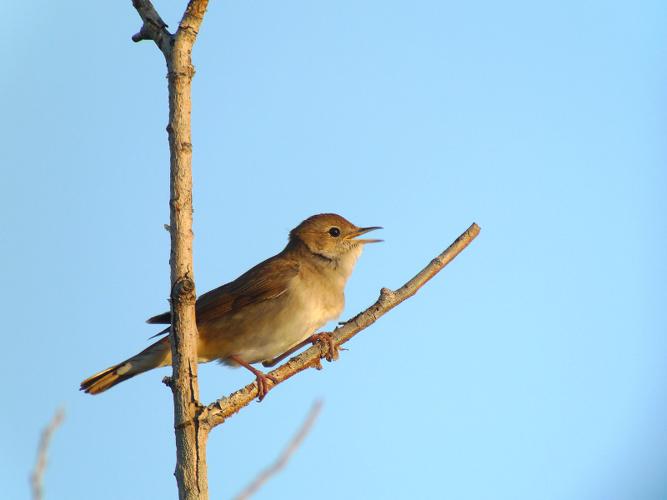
x: 363, y: 230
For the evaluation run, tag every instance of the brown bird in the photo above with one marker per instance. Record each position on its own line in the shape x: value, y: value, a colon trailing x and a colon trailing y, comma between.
x: 268, y: 312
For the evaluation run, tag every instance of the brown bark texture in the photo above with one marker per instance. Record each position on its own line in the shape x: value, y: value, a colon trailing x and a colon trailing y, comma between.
x: 177, y: 49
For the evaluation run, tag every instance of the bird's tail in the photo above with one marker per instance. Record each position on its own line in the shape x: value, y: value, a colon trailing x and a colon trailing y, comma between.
x: 157, y: 354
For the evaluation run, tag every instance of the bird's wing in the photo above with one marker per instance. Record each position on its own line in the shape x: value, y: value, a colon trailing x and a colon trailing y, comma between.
x: 267, y: 280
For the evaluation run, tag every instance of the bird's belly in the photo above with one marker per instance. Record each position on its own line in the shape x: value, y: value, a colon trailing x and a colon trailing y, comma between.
x: 270, y: 341
x: 266, y: 330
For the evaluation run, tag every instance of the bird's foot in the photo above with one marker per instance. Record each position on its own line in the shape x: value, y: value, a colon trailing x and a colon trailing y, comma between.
x: 263, y: 385
x: 262, y: 379
x: 327, y: 339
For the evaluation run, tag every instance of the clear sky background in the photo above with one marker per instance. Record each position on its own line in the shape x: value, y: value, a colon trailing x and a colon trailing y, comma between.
x: 532, y: 368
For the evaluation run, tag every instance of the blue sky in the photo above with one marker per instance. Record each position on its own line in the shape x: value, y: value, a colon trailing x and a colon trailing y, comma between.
x: 533, y: 367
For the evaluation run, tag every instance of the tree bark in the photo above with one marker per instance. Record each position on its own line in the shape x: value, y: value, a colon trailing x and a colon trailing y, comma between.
x: 191, y: 437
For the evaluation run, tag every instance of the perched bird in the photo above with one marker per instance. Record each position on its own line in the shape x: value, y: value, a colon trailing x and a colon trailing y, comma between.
x: 268, y: 312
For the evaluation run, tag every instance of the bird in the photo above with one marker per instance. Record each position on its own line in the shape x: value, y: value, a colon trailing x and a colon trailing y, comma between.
x: 267, y: 313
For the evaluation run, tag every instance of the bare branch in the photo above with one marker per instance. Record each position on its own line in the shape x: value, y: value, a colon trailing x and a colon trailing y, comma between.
x: 177, y: 50
x: 191, y: 438
x: 37, y: 476
x: 285, y: 456
x: 153, y: 27
x: 218, y: 411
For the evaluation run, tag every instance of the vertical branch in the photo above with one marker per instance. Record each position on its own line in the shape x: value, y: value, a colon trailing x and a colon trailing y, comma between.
x: 191, y: 438
x: 177, y: 49
x: 190, y: 470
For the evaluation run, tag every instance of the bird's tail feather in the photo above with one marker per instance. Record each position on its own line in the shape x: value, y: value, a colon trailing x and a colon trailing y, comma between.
x: 157, y: 354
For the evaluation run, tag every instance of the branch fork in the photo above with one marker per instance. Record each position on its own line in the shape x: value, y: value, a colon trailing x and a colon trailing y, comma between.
x: 193, y: 421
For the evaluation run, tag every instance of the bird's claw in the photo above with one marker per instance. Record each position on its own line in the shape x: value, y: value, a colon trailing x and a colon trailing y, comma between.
x: 327, y: 339
x: 263, y: 386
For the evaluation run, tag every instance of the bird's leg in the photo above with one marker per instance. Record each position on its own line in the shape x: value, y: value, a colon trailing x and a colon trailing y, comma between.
x: 325, y: 337
x: 262, y: 378
x: 275, y: 361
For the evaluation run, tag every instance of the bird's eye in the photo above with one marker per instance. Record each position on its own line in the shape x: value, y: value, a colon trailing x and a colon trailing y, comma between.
x: 335, y: 232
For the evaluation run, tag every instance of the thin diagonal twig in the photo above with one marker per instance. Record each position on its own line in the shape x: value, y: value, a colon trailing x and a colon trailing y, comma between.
x: 218, y: 411
x: 285, y: 456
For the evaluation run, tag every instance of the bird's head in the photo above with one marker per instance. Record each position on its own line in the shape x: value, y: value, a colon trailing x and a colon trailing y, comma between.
x: 332, y: 236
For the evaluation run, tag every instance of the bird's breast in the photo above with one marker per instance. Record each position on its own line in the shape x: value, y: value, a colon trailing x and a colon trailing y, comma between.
x: 322, y: 297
